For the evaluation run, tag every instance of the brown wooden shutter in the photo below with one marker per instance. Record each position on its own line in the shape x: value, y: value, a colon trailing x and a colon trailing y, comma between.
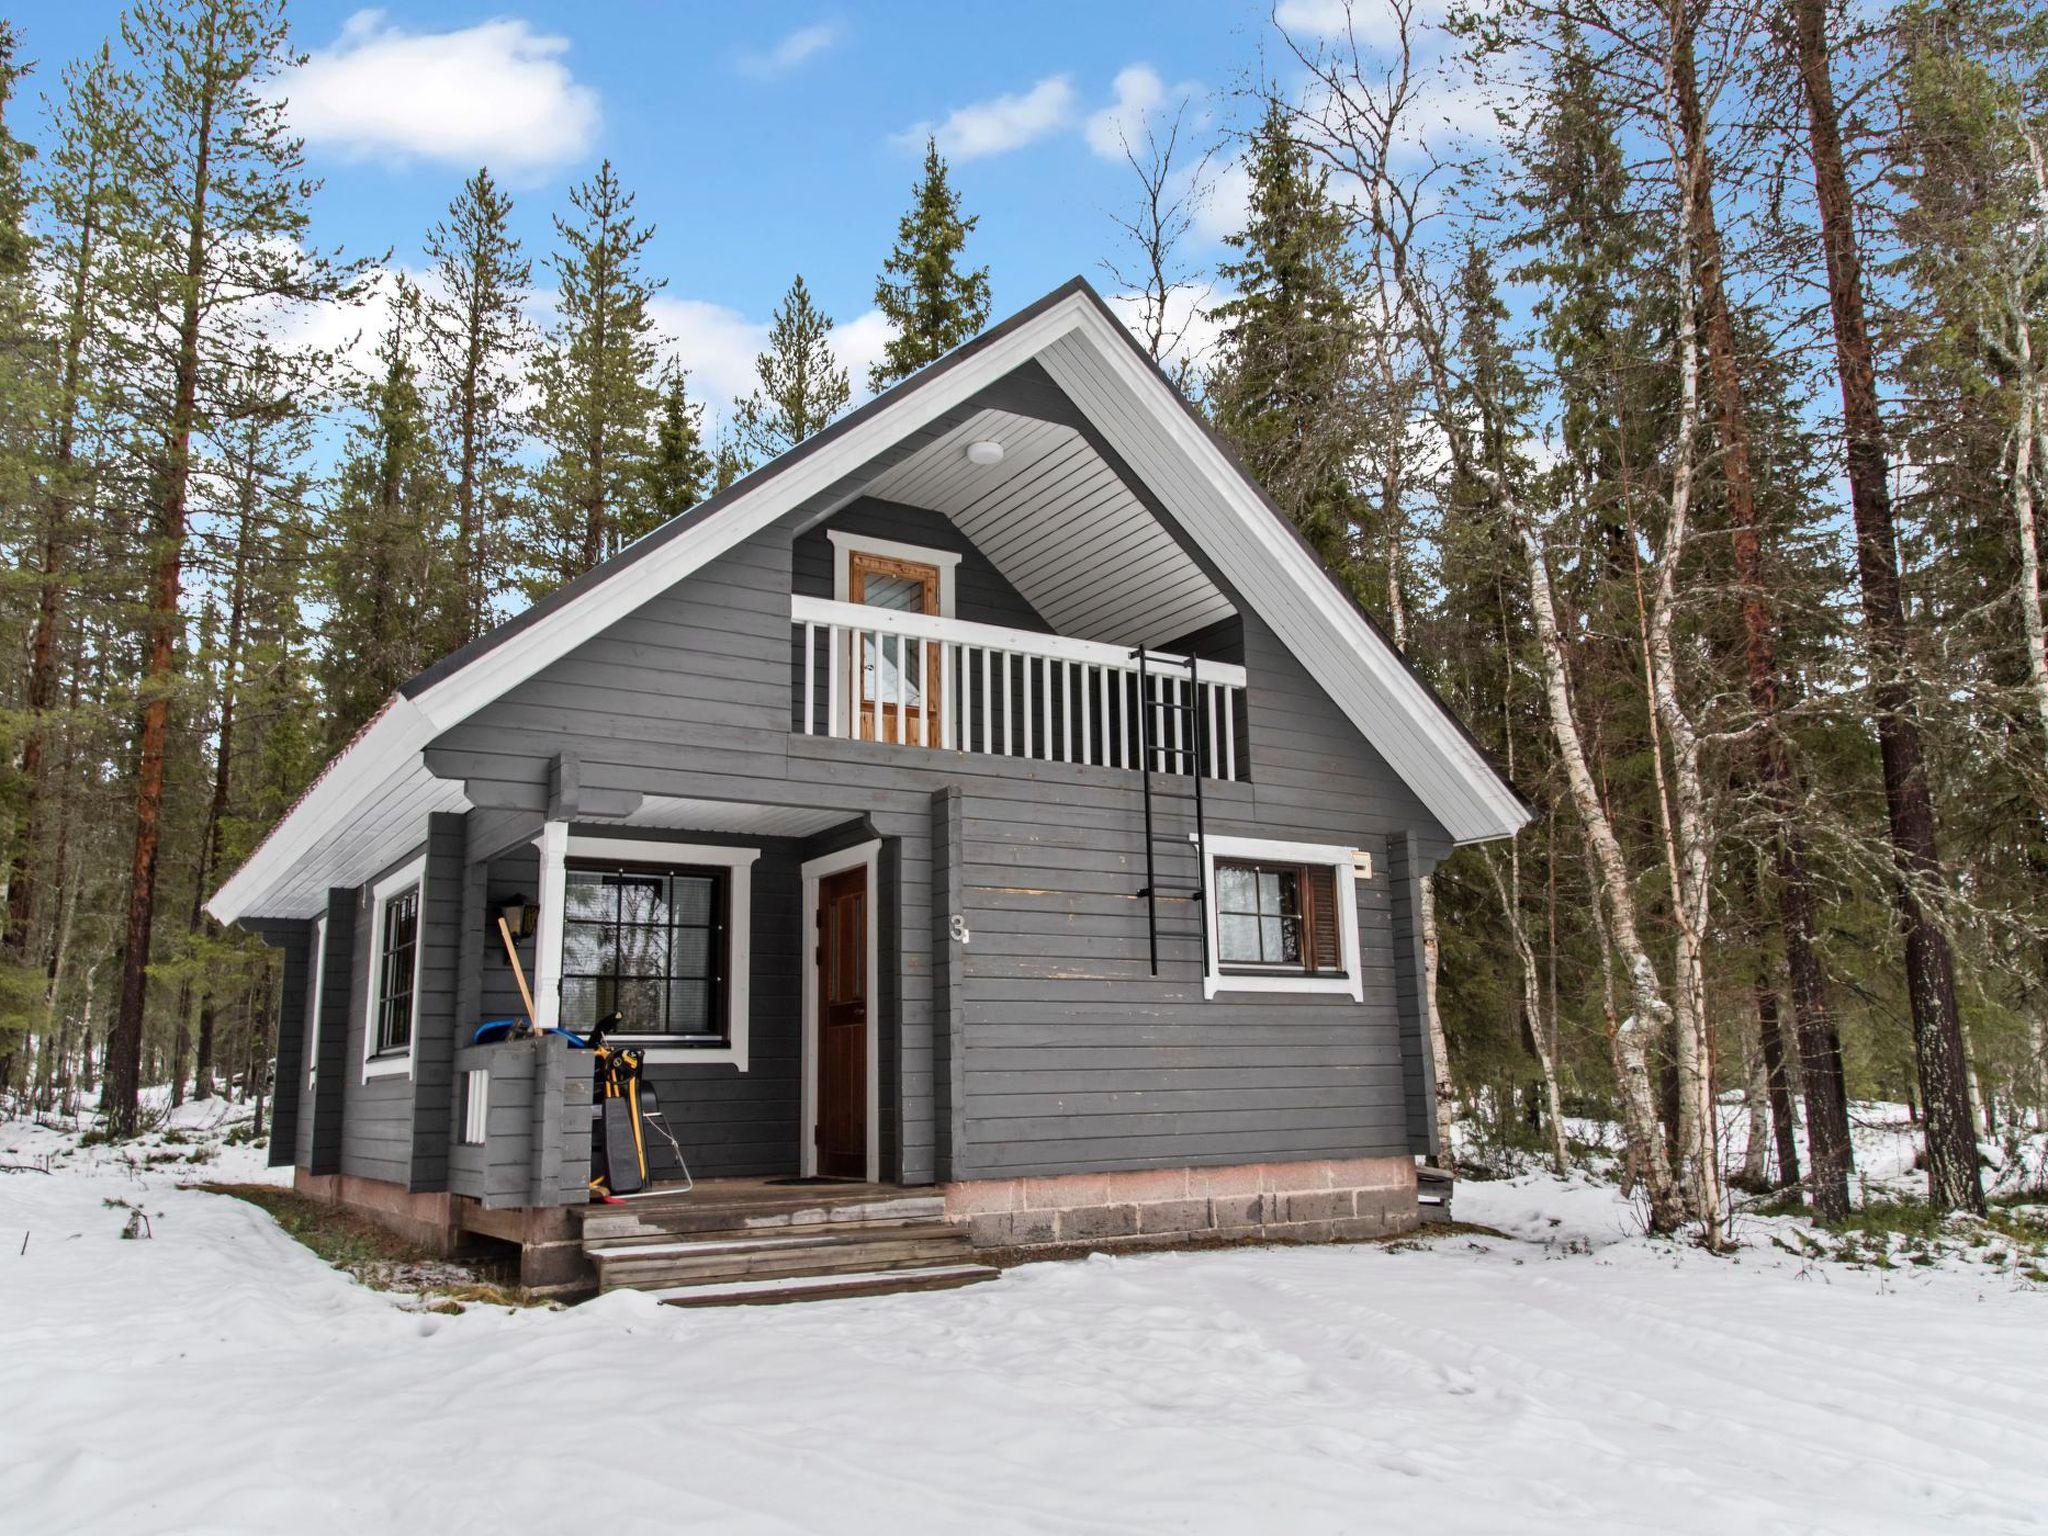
x: 1319, y: 920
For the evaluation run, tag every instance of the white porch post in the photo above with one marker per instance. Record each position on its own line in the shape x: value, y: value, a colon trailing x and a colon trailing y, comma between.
x: 553, y: 843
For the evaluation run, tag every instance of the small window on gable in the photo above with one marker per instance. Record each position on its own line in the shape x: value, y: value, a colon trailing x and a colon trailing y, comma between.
x: 1275, y: 917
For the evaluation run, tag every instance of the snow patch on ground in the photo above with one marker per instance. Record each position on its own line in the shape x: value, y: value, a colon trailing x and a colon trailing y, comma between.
x: 1571, y: 1375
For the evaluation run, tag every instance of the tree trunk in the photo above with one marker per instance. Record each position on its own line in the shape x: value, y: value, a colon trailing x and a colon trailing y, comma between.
x: 1439, y: 1047
x: 172, y: 483
x: 1509, y: 890
x: 1819, y: 1045
x: 1953, y: 1177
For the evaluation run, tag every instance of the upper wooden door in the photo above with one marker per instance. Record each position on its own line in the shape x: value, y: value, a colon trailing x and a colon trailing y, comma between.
x: 842, y: 1025
x: 898, y: 682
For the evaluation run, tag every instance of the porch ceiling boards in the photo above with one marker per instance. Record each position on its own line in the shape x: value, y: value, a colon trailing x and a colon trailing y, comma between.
x: 1064, y: 528
x: 674, y: 813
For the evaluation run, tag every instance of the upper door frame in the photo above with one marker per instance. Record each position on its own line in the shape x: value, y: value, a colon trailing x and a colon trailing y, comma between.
x: 844, y: 543
x: 867, y: 855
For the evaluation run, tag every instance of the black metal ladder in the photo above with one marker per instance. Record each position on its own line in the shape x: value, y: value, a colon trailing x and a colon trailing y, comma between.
x: 1190, y: 758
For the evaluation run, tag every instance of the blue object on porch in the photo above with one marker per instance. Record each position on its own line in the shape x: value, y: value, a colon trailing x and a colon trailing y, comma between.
x: 503, y: 1029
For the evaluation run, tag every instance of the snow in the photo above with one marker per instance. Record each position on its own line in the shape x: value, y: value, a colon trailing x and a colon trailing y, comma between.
x: 1570, y: 1375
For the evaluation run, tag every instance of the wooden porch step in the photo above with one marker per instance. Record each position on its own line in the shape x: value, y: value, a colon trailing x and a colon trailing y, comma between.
x: 642, y: 1270
x: 775, y: 1239
x: 788, y: 1288
x: 675, y: 1216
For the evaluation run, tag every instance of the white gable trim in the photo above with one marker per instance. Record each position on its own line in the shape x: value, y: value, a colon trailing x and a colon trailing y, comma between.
x: 1079, y: 345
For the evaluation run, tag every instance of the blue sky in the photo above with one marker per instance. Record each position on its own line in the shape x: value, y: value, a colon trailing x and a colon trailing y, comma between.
x: 761, y: 140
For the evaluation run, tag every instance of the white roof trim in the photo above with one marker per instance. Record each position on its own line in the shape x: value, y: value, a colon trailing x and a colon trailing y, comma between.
x: 1470, y: 800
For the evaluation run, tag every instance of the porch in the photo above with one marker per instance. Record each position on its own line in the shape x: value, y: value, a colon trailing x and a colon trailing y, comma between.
x: 753, y: 1241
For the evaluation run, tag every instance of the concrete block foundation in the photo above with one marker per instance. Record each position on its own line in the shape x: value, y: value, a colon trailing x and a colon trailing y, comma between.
x: 1316, y: 1201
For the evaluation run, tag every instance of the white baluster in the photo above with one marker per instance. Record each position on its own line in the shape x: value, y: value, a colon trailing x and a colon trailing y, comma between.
x: 1088, y: 674
x: 1030, y: 723
x: 810, y: 679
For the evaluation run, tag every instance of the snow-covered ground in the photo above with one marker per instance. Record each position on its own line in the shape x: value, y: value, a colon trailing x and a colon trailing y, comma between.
x: 218, y: 1377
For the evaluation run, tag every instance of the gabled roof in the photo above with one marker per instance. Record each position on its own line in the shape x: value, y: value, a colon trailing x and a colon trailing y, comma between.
x: 378, y: 789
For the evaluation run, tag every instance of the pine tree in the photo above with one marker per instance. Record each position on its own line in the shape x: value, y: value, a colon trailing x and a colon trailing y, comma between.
x: 802, y: 385
x: 21, y: 527
x: 594, y: 376
x: 678, y: 471
x: 1284, y: 389
x: 930, y: 303
x: 219, y: 245
x: 386, y: 564
x: 478, y: 339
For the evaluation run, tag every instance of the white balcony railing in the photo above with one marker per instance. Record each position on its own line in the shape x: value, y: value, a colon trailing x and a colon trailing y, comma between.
x: 911, y: 679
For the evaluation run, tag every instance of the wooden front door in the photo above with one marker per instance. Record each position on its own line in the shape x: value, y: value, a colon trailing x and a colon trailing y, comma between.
x: 898, y: 678
x: 842, y: 1024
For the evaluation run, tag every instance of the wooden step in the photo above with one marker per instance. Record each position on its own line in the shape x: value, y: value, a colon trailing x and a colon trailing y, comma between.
x: 762, y: 1263
x: 696, y: 1245
x: 672, y: 1216
x: 789, y: 1288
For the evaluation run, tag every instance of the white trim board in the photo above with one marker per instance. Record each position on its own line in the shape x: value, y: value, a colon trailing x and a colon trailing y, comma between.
x: 1340, y: 859
x: 845, y: 545
x: 557, y: 846
x: 414, y: 872
x: 814, y: 871
x: 1087, y: 352
x: 318, y: 937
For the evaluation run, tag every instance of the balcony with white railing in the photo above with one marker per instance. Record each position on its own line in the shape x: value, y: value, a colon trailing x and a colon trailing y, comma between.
x: 920, y: 681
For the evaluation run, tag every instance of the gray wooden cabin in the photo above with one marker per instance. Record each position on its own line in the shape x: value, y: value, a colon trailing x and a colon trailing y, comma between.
x: 836, y: 791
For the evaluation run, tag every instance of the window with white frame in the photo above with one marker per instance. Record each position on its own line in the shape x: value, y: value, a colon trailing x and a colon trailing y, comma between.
x: 1283, y: 917
x: 645, y: 950
x: 1277, y: 917
x: 399, y: 953
x: 396, y: 904
x: 655, y: 932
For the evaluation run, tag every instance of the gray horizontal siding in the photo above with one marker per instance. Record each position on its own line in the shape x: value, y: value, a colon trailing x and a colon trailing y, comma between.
x: 378, y: 1112
x: 691, y: 696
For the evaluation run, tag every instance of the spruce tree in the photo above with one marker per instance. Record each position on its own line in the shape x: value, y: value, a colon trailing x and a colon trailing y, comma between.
x: 802, y: 385
x: 477, y: 337
x: 1284, y: 389
x: 678, y: 471
x: 386, y: 564
x: 931, y: 304
x: 594, y: 375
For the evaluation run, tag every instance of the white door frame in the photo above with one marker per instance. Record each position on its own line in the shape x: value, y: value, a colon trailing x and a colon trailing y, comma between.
x: 862, y: 855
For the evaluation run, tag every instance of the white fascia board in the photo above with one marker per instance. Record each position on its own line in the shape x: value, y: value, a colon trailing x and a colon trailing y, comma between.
x: 457, y: 697
x: 1487, y: 809
x: 392, y: 744
x: 409, y: 725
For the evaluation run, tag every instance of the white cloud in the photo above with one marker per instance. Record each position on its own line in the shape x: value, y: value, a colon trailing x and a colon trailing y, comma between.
x: 858, y: 344
x: 1227, y: 207
x: 1139, y: 93
x: 999, y: 124
x: 799, y: 46
x: 1371, y: 21
x: 1190, y: 322
x: 715, y: 342
x: 718, y: 345
x: 498, y: 93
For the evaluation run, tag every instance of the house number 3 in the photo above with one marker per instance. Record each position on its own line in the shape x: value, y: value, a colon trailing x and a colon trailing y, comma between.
x: 957, y: 925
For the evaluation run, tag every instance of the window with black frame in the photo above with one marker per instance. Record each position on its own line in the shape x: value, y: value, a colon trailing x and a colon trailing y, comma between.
x: 1277, y: 918
x: 399, y: 964
x: 647, y: 943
